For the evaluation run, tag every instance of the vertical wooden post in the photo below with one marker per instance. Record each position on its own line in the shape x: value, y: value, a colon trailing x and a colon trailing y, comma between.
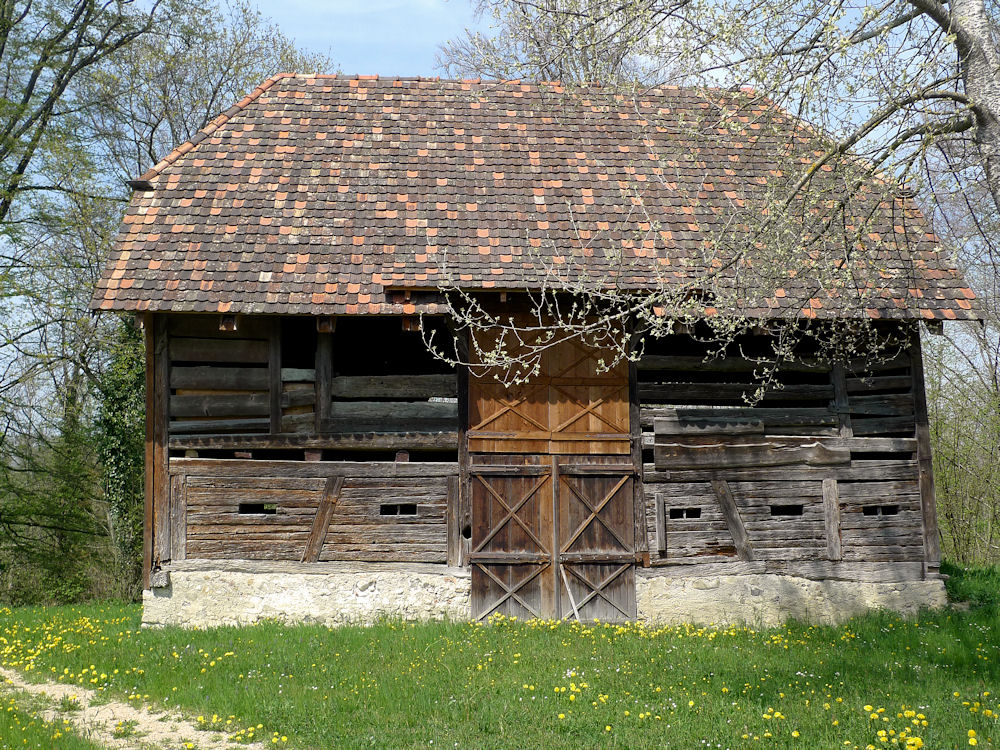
x: 841, y: 400
x: 147, y: 524
x: 641, y: 537
x: 831, y: 510
x: 928, y: 506
x: 464, y: 517
x: 661, y: 526
x: 274, y: 373
x: 453, y: 520
x: 178, y: 518
x: 161, y: 411
x: 558, y: 577
x: 324, y: 379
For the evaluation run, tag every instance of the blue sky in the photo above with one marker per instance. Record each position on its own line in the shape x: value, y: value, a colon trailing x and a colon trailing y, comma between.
x: 387, y: 37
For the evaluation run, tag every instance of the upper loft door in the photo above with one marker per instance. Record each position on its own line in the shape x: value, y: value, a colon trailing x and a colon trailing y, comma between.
x: 570, y: 407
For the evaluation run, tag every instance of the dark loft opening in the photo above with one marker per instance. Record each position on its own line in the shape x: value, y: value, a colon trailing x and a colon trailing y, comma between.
x: 880, y: 510
x: 786, y: 510
x: 398, y: 509
x: 685, y: 513
x: 258, y: 509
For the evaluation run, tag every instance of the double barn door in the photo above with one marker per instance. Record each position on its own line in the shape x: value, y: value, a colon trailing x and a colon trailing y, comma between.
x: 552, y: 484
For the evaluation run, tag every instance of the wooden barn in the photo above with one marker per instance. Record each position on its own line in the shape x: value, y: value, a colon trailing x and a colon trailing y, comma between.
x: 307, y: 458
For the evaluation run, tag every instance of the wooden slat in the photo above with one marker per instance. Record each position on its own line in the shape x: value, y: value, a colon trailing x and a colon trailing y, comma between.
x: 219, y: 378
x: 931, y: 535
x: 831, y: 509
x: 324, y: 514
x: 221, y: 405
x: 149, y: 327
x: 661, y: 524
x: 178, y: 518
x: 324, y: 376
x: 161, y: 480
x: 274, y: 374
x: 698, y: 392
x: 453, y: 520
x: 242, y: 351
x: 395, y: 386
x: 432, y: 441
x: 224, y: 467
x: 676, y: 456
x: 191, y: 426
x: 733, y: 520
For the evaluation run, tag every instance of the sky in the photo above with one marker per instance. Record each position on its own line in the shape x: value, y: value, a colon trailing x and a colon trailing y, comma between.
x: 384, y: 37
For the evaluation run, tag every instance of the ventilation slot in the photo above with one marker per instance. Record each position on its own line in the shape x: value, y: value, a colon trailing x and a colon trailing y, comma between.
x: 786, y: 510
x: 258, y: 509
x: 880, y: 510
x: 398, y: 509
x: 685, y: 513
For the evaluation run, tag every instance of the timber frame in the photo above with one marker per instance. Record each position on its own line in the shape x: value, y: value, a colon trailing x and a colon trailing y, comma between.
x: 299, y: 439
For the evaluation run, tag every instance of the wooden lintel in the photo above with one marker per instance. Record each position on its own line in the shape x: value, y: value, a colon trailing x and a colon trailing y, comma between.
x: 831, y: 509
x: 733, y: 520
x: 317, y: 536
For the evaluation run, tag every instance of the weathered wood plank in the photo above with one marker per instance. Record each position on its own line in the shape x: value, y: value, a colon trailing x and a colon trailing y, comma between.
x: 453, y: 521
x: 831, y: 508
x: 224, y: 467
x: 190, y: 426
x: 431, y: 441
x: 221, y: 405
x: 219, y: 378
x: 676, y: 456
x: 733, y: 520
x: 324, y: 378
x: 321, y: 523
x: 178, y: 518
x: 932, y: 538
x: 149, y: 328
x: 161, y: 479
x: 242, y: 351
x: 727, y: 364
x: 680, y: 393
x: 661, y: 524
x: 882, y: 383
x: 395, y: 386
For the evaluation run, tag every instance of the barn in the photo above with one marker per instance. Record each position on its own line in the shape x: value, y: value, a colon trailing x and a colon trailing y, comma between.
x: 308, y: 459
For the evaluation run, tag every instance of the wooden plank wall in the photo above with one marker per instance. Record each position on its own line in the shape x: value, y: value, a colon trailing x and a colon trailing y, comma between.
x: 823, y: 469
x: 265, y: 510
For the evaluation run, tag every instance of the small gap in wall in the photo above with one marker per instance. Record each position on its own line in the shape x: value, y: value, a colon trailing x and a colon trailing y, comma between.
x: 786, y: 510
x: 881, y: 456
x: 880, y: 510
x: 258, y: 509
x: 676, y: 513
x: 398, y: 509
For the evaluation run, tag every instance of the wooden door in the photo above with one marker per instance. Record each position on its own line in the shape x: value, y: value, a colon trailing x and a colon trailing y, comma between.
x: 553, y: 541
x: 570, y: 407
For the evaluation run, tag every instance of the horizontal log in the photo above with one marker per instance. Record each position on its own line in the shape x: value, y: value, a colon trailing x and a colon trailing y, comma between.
x: 219, y: 378
x: 395, y: 386
x: 225, y: 467
x: 675, y: 456
x: 650, y: 362
x: 680, y: 393
x: 882, y: 425
x: 436, y: 441
x: 888, y: 404
x: 243, y: 351
x: 219, y: 425
x: 304, y: 397
x: 297, y: 375
x: 220, y: 405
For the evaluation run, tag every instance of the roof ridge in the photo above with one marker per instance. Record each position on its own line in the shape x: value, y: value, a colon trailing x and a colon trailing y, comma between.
x: 144, y: 182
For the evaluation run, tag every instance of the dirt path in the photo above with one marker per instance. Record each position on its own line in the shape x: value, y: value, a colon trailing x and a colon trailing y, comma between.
x: 97, y: 721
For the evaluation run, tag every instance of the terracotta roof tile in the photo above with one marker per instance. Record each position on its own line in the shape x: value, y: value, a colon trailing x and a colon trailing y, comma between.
x: 317, y: 194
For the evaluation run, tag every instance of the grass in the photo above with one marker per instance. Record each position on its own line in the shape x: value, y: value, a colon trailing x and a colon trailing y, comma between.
x: 22, y: 727
x: 920, y: 682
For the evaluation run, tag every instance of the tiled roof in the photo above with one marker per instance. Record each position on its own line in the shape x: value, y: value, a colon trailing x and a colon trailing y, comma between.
x: 318, y: 194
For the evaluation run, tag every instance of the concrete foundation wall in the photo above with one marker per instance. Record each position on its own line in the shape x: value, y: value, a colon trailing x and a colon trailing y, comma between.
x: 766, y: 600
x: 211, y: 593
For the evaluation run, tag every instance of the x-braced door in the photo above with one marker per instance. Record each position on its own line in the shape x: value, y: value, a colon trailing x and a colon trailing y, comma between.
x: 553, y: 540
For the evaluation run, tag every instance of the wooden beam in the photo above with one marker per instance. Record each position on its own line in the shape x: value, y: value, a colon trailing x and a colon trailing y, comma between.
x: 324, y: 378
x: 161, y: 403
x: 178, y: 519
x: 274, y: 374
x: 147, y: 524
x: 831, y: 511
x: 840, y: 400
x: 932, y: 538
x: 733, y: 520
x: 661, y: 525
x: 321, y: 522
x: 641, y: 538
x: 453, y: 520
x: 464, y: 519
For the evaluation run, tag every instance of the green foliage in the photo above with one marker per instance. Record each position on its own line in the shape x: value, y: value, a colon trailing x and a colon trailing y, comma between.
x: 539, y: 684
x: 978, y: 586
x: 121, y: 450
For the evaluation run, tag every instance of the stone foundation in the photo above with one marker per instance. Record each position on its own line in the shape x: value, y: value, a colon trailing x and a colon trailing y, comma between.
x: 767, y: 600
x: 212, y: 593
